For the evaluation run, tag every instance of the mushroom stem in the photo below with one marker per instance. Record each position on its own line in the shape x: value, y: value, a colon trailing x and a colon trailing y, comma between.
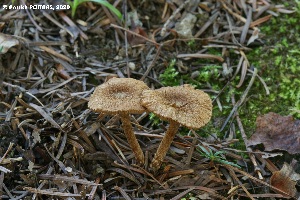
x: 131, y: 139
x: 164, y: 145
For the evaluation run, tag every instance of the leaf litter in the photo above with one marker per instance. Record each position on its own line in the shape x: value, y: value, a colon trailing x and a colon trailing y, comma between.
x: 277, y: 132
x: 53, y: 145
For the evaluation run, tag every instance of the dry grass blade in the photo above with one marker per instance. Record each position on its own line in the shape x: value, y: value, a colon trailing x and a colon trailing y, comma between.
x: 94, y: 189
x: 32, y: 19
x: 198, y: 55
x: 136, y: 34
x: 126, y: 174
x: 141, y: 171
x: 10, y: 112
x: 4, y: 170
x: 51, y: 192
x: 56, y: 54
x: 260, y: 21
x: 243, y: 73
x: 164, y: 29
x: 73, y: 25
x: 56, y: 86
x: 67, y: 179
x: 122, y: 192
x: 179, y: 173
x: 207, y: 24
x: 6, y: 152
x: 246, y: 26
x: 239, y: 103
x: 239, y: 17
x: 182, y: 194
x: 271, y: 166
x: 240, y: 183
x: 262, y: 81
x: 45, y: 115
x: 76, y: 145
x: 212, y: 191
x: 60, y: 163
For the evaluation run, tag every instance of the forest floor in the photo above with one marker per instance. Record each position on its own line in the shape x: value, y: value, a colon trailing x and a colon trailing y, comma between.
x: 244, y: 54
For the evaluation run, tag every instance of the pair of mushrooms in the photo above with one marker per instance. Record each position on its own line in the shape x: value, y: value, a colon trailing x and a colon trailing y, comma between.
x: 180, y: 105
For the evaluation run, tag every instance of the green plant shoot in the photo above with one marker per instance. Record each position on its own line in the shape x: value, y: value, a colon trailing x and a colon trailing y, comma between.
x: 74, y: 4
x: 215, y: 157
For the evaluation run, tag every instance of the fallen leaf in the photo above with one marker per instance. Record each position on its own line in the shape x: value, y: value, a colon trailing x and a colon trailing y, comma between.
x: 6, y: 42
x: 277, y: 132
x: 289, y: 170
x: 45, y: 115
x: 284, y: 180
x: 254, y: 36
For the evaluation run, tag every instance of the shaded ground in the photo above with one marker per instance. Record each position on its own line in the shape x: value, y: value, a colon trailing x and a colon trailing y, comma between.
x: 53, y: 146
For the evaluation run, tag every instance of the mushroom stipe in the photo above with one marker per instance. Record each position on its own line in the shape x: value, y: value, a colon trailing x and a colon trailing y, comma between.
x: 180, y: 105
x: 165, y: 145
x: 121, y: 96
x: 132, y: 141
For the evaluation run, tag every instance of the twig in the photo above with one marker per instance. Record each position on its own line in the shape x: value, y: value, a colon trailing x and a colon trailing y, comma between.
x: 133, y: 33
x: 41, y: 91
x: 239, y: 182
x: 49, y: 171
x: 244, y: 136
x: 94, y: 189
x: 151, y: 64
x: 199, y: 55
x: 246, y: 26
x: 7, y: 151
x: 243, y: 97
x: 55, y: 53
x: 31, y: 19
x: 122, y: 192
x: 51, y: 192
x: 74, y: 179
x: 23, y: 90
x: 207, y: 24
x: 112, y: 20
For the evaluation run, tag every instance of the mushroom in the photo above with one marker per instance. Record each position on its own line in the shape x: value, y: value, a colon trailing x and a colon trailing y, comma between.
x: 121, y: 96
x: 178, y: 105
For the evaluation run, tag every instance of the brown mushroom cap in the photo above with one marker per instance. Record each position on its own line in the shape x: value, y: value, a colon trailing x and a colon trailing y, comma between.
x: 183, y: 104
x: 118, y: 95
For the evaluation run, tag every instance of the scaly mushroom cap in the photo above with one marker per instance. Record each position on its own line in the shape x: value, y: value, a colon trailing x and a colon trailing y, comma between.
x: 118, y: 95
x: 183, y: 104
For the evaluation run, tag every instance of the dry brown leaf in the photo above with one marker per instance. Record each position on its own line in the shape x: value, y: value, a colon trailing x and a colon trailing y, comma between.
x: 277, y: 132
x: 6, y: 42
x: 288, y: 169
x: 283, y: 180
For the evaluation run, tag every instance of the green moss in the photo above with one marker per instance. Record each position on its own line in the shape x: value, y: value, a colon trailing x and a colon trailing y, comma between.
x: 278, y: 64
x: 281, y: 64
x: 170, y: 77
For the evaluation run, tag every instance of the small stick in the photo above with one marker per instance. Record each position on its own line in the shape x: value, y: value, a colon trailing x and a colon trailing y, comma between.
x: 151, y: 64
x: 133, y: 33
x: 239, y: 103
x: 244, y: 136
x: 249, y: 149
